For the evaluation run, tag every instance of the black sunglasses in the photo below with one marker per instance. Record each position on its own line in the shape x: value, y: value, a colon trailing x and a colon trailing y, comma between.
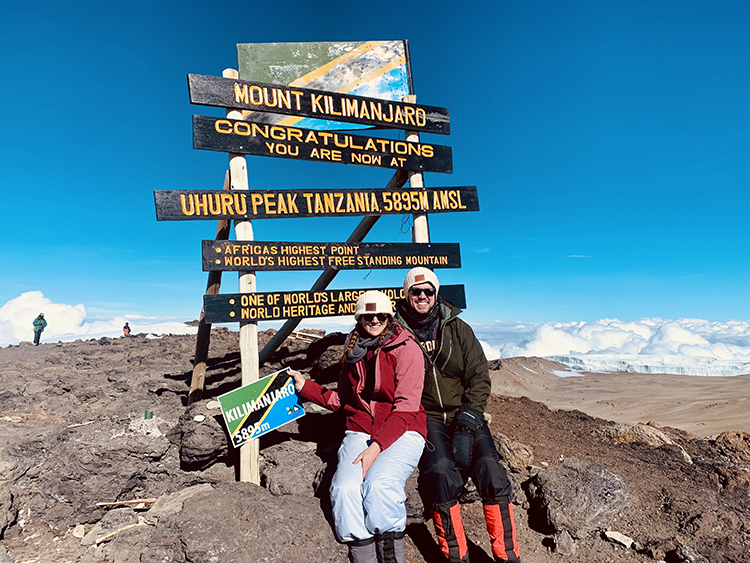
x: 369, y: 317
x: 417, y: 291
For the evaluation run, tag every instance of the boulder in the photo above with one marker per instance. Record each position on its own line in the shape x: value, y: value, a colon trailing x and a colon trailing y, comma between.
x: 639, y: 433
x: 291, y: 468
x: 203, y: 440
x: 515, y: 455
x: 8, y: 512
x: 244, y: 523
x: 735, y: 445
x: 575, y: 496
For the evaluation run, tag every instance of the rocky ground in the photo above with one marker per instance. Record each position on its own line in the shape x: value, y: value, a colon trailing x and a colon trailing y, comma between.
x: 75, y: 436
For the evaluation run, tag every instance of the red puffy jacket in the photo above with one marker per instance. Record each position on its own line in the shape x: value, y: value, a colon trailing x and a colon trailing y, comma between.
x: 395, y: 406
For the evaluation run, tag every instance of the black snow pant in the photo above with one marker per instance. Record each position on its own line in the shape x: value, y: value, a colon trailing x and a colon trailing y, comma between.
x: 441, y: 482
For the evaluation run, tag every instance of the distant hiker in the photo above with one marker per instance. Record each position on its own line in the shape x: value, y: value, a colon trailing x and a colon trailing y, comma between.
x: 456, y: 388
x: 39, y: 324
x: 126, y: 329
x: 379, y: 390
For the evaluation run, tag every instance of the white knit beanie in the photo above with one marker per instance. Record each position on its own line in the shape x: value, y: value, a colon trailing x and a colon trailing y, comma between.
x: 420, y: 275
x: 373, y: 302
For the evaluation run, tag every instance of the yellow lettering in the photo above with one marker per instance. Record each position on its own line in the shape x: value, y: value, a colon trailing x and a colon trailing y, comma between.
x: 359, y: 202
x: 282, y: 205
x: 351, y: 107
x: 285, y: 102
x: 315, y: 100
x: 409, y: 115
x: 241, y: 209
x: 240, y: 95
x: 223, y: 126
x: 338, y: 144
x: 270, y: 205
x: 226, y: 204
x: 308, y: 197
x: 296, y: 95
x: 291, y: 201
x: 275, y: 102
x: 257, y: 129
x: 192, y: 207
x: 256, y: 95
x: 214, y: 206
x: 256, y: 200
x: 241, y: 128
x: 202, y: 204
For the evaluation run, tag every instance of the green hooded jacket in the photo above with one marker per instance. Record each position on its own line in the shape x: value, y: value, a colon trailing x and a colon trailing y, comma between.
x: 459, y: 374
x: 39, y: 324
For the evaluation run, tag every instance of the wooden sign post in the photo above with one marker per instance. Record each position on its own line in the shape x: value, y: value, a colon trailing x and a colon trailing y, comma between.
x: 243, y: 231
x: 203, y: 339
x: 300, y: 103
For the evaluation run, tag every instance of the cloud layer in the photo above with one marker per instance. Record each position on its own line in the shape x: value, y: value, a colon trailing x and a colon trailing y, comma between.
x: 652, y: 344
x: 68, y: 322
x: 691, y: 346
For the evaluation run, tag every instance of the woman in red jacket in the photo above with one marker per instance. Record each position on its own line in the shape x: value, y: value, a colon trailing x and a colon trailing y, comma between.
x: 380, y: 390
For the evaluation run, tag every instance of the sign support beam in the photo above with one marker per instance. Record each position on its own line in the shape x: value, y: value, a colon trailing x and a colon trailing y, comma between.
x: 358, y: 235
x: 243, y: 230
x: 203, y: 340
x: 420, y: 232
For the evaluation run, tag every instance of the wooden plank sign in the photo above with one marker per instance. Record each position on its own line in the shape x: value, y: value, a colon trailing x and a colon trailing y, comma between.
x: 275, y: 306
x: 242, y: 137
x: 188, y: 205
x: 307, y: 102
x: 277, y: 256
x: 262, y: 406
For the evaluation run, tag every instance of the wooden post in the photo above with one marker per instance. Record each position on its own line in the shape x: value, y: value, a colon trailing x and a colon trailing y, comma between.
x: 420, y: 232
x: 358, y: 235
x: 243, y: 230
x: 203, y: 340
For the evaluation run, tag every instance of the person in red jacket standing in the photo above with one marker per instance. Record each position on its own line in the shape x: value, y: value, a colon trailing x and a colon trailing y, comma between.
x: 380, y: 390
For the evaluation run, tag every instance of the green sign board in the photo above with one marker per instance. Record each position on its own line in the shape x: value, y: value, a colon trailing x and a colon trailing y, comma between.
x: 264, y: 405
x: 373, y: 69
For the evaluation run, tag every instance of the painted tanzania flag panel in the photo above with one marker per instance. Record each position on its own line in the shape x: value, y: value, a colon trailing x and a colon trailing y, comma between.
x: 264, y: 405
x: 375, y: 69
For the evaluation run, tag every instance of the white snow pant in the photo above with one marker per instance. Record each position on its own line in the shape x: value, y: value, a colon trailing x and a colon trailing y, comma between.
x: 362, y: 509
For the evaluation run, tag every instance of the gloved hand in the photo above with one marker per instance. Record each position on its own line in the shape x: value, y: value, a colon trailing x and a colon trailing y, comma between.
x: 467, y: 422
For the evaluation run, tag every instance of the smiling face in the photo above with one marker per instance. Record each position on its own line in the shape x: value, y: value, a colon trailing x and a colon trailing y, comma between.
x: 421, y: 303
x: 373, y: 324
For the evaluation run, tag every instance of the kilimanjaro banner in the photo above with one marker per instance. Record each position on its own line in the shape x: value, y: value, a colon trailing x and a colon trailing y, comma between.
x: 262, y: 406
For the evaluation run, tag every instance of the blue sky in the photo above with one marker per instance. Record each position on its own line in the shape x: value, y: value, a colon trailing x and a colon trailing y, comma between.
x: 609, y: 142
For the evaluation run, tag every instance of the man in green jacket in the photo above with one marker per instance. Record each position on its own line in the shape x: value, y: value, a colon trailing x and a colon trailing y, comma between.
x: 457, y: 385
x: 39, y: 324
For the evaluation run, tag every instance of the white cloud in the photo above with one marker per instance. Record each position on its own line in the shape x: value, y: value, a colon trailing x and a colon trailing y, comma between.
x: 693, y: 346
x: 68, y: 322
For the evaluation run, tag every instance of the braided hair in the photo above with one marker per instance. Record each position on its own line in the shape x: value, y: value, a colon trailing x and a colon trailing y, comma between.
x: 356, y: 334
